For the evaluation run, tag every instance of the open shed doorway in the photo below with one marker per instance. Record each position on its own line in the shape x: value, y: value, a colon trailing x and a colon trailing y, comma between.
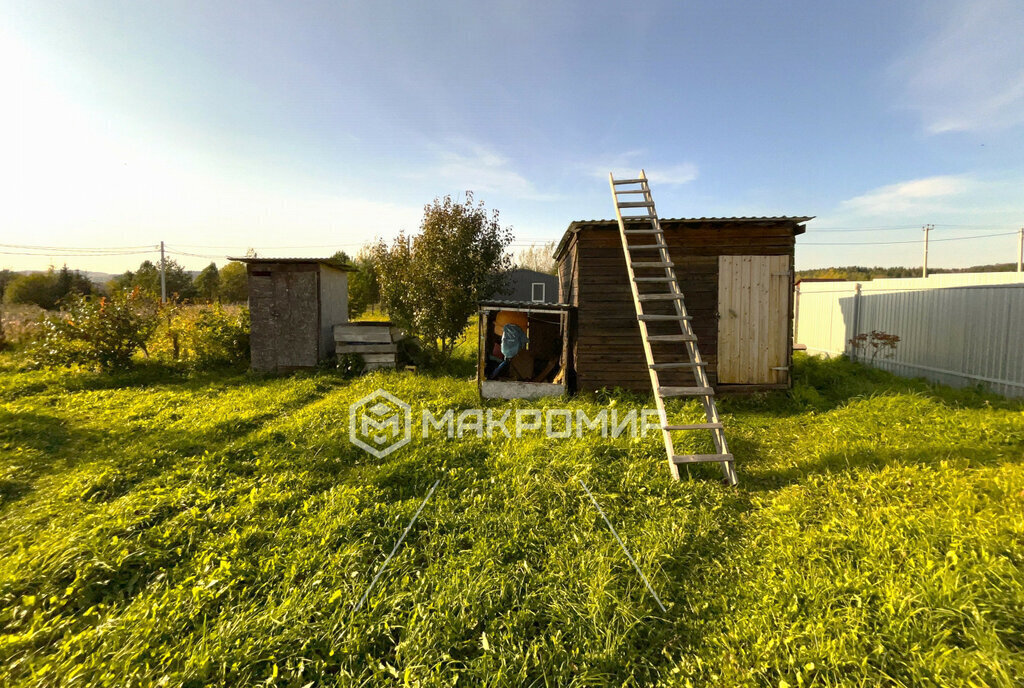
x: 541, y: 368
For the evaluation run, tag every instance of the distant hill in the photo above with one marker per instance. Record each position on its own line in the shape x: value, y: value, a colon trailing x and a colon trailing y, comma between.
x: 858, y: 272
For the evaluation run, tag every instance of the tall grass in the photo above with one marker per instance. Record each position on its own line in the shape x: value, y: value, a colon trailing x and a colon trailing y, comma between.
x: 183, y: 530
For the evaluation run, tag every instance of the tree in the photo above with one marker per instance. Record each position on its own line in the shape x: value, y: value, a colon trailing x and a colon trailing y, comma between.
x: 234, y: 283
x: 6, y: 277
x: 207, y: 282
x: 363, y: 284
x: 538, y: 257
x: 147, y: 278
x: 430, y: 283
x: 341, y: 257
x: 72, y: 282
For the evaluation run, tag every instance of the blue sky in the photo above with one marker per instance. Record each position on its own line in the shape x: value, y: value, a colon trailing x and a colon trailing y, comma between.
x: 217, y: 126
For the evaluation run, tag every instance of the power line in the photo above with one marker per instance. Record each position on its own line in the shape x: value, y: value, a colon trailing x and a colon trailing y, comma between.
x: 862, y: 229
x: 894, y: 228
x: 55, y: 254
x: 81, y: 248
x: 909, y: 241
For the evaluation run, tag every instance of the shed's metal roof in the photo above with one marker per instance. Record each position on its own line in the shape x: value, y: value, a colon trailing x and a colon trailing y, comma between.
x: 330, y: 262
x: 577, y: 225
x: 523, y: 305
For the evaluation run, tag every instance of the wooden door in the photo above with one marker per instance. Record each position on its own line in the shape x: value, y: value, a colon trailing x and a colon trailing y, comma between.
x: 753, y: 327
x: 296, y: 317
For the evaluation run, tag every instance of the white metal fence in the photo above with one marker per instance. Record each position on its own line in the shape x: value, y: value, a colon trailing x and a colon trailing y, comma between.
x: 957, y: 329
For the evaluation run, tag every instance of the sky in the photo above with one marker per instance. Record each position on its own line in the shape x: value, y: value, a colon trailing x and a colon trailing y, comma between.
x: 297, y: 128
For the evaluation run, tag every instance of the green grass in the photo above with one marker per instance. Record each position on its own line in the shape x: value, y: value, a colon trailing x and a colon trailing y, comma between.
x: 159, y: 528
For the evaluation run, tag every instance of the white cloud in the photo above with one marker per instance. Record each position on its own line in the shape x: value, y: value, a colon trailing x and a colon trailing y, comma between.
x: 471, y: 166
x: 628, y: 165
x: 968, y: 71
x: 675, y: 174
x: 917, y: 195
x: 965, y: 205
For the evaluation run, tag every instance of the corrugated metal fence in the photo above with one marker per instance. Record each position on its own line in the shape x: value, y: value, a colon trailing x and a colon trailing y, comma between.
x: 957, y: 329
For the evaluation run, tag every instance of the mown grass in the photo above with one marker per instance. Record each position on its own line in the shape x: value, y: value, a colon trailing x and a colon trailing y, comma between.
x: 158, y: 528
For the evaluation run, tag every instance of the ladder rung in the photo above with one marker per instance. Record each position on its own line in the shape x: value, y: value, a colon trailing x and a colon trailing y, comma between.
x: 694, y: 426
x: 653, y: 264
x: 642, y: 231
x: 636, y: 204
x: 680, y: 364
x: 640, y: 247
x: 630, y: 191
x: 686, y: 391
x: 671, y: 338
x: 661, y: 297
x: 652, y: 318
x: 654, y: 279
x: 699, y: 458
x: 629, y: 181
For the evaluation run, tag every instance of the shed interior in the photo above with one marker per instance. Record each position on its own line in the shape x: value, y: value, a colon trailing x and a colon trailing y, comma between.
x: 540, y: 369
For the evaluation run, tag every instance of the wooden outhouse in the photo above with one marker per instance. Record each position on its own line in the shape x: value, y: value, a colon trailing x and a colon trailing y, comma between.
x: 736, y: 275
x: 294, y: 304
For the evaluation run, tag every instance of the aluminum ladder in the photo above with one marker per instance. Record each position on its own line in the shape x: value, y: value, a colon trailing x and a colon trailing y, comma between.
x: 649, y: 240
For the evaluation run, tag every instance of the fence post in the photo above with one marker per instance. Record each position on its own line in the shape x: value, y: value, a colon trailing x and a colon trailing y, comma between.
x: 856, y: 319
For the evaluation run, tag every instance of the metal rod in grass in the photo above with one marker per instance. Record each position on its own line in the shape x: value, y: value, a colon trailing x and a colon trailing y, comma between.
x: 397, y: 545
x: 623, y: 546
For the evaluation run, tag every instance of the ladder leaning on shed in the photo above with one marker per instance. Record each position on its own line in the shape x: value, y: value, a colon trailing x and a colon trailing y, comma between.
x: 649, y: 238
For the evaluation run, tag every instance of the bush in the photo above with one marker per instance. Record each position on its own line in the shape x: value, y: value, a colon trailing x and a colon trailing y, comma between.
x: 47, y: 289
x: 202, y: 336
x: 350, y: 365
x: 19, y: 324
x: 220, y: 337
x: 38, y: 289
x: 103, y: 332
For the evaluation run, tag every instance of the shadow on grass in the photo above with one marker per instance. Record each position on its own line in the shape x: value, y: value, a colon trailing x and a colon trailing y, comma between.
x: 37, y: 444
x: 47, y: 444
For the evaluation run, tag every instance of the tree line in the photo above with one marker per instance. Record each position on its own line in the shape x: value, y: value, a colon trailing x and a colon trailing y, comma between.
x: 858, y: 272
x: 428, y: 283
x: 50, y: 289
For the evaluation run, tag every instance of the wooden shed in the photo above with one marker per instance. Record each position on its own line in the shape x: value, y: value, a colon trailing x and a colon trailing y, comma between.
x: 294, y: 304
x: 736, y: 275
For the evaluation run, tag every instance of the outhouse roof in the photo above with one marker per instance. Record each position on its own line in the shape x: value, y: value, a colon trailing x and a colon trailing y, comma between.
x: 330, y: 262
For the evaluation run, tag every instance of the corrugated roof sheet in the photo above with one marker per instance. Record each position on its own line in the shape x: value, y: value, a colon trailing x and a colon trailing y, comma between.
x: 524, y: 305
x: 576, y: 225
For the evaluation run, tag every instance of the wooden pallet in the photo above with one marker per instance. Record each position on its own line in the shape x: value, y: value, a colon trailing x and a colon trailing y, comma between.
x: 376, y: 342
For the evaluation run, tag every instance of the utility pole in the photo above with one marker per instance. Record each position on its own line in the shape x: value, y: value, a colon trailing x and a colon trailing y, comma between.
x: 163, y: 274
x: 924, y: 268
x: 1020, y: 250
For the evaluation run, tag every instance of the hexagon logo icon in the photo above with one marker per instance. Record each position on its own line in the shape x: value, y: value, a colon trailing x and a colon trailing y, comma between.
x: 380, y: 423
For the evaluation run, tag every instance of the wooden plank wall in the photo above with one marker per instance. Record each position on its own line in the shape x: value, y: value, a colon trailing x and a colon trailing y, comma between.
x: 608, y: 350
